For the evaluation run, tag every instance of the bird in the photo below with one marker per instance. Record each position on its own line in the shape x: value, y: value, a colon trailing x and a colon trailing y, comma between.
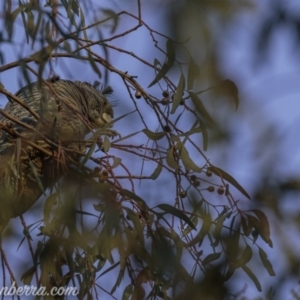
x: 42, y: 131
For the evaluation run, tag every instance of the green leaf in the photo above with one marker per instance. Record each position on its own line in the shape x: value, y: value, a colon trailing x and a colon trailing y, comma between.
x: 194, y: 129
x: 115, y: 17
x: 167, y: 65
x: 210, y: 258
x: 247, y: 228
x: 188, y: 229
x: 232, y: 248
x: 222, y: 174
x: 135, y: 197
x: 219, y: 226
x: 106, y: 144
x: 109, y: 269
x: 30, y: 23
x: 74, y: 6
x: 94, y: 65
x: 67, y: 47
x: 156, y: 63
x: 245, y: 257
x: 37, y: 27
x: 170, y: 50
x: 172, y: 163
x: 85, y: 213
x: 157, y: 170
x: 178, y: 95
x: 155, y: 136
x: 264, y: 259
x: 206, y: 218
x: 204, y: 135
x: 200, y: 107
x: 117, y: 162
x: 193, y: 73
x: 177, y: 213
x: 187, y: 161
x: 119, y: 278
x: 262, y: 229
x: 88, y: 155
x: 49, y: 203
x: 228, y: 88
x: 253, y: 277
x: 27, y: 276
x: 69, y: 7
x: 103, y: 187
x: 161, y: 73
x: 178, y: 244
x: 126, y: 137
x: 264, y: 226
x: 24, y: 22
x: 127, y: 293
x: 138, y: 226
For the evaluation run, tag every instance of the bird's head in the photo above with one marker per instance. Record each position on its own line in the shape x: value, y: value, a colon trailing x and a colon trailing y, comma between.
x: 98, y: 108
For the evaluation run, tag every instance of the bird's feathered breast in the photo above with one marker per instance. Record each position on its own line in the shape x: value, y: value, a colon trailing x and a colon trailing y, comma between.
x: 66, y: 111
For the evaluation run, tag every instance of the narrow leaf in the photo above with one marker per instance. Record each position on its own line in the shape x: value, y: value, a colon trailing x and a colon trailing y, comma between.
x: 177, y: 213
x: 109, y: 269
x: 170, y: 50
x: 219, y: 226
x: 117, y: 162
x: 127, y: 293
x: 110, y: 13
x: 94, y: 65
x: 229, y: 88
x: 204, y: 135
x: 170, y: 159
x: 264, y: 259
x: 155, y: 136
x: 67, y: 47
x: 265, y: 227
x: 253, y: 277
x: 188, y: 229
x: 200, y: 107
x: 261, y: 228
x: 126, y: 137
x: 88, y: 155
x: 203, y: 231
x: 210, y: 258
x: 222, y: 174
x: 193, y: 73
x: 27, y: 276
x: 167, y: 65
x: 179, y: 92
x: 135, y: 197
x: 157, y: 171
x: 106, y: 144
x: 245, y: 257
x: 178, y: 244
x: 119, y: 278
x: 187, y: 161
x: 246, y: 226
x: 49, y: 203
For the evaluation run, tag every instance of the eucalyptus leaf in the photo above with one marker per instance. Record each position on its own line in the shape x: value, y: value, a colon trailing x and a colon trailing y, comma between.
x: 222, y: 174
x: 179, y: 92
x: 155, y: 136
x: 177, y: 213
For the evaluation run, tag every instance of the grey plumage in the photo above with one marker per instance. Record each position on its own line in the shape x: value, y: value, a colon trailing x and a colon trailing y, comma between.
x: 29, y: 155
